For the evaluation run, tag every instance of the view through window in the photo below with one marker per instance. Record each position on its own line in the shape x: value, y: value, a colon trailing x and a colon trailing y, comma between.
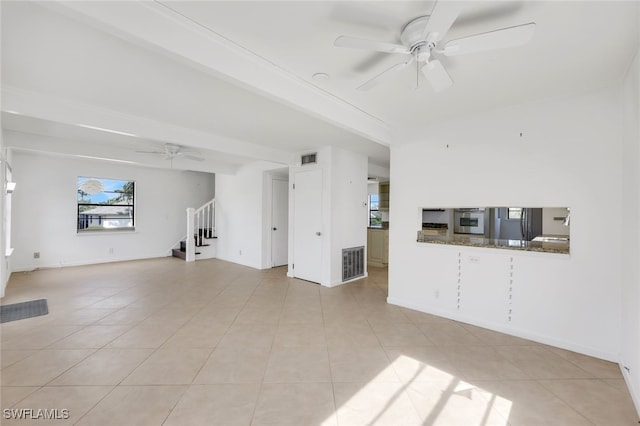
x: 375, y: 217
x: 514, y: 213
x: 105, y: 204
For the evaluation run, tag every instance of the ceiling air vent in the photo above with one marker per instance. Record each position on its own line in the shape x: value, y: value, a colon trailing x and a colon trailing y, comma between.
x: 309, y: 158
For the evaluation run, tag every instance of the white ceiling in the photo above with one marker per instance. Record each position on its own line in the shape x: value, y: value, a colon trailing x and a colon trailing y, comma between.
x: 233, y: 79
x: 578, y: 45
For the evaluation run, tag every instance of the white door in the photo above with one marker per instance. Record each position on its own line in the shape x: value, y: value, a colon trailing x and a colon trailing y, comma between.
x: 279, y: 222
x: 307, y: 229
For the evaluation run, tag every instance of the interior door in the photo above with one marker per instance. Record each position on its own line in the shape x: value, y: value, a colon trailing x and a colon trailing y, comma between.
x: 279, y: 222
x: 307, y: 229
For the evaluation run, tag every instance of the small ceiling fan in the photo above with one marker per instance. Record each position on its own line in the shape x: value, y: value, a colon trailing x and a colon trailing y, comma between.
x: 171, y: 151
x: 421, y: 39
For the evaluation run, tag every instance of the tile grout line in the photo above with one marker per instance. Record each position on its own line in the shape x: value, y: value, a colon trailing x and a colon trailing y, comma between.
x: 264, y: 373
x: 333, y: 386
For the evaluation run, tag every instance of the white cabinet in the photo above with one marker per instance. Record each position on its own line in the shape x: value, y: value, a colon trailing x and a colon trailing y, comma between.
x: 377, y: 247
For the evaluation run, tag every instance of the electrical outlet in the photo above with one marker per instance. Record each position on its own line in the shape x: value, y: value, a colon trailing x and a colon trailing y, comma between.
x: 436, y: 294
x: 36, y: 255
x: 240, y: 252
x: 110, y: 250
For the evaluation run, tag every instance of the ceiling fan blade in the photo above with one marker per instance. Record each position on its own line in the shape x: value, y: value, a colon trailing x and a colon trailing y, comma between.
x: 378, y: 78
x: 361, y: 43
x: 498, y: 39
x: 437, y: 76
x: 193, y: 157
x: 443, y: 15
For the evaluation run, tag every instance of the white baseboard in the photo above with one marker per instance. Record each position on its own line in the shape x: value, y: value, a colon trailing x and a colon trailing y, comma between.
x: 337, y: 283
x: 517, y: 332
x: 238, y: 262
x: 87, y: 262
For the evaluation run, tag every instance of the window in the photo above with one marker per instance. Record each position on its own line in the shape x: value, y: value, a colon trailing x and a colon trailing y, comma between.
x: 375, y: 217
x: 514, y: 213
x: 105, y: 204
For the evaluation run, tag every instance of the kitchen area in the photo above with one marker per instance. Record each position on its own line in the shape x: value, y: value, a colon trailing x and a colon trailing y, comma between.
x: 378, y: 224
x: 542, y: 229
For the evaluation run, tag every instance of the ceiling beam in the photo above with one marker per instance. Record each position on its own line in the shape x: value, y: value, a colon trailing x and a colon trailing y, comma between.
x: 46, y: 107
x: 79, y: 149
x: 156, y: 26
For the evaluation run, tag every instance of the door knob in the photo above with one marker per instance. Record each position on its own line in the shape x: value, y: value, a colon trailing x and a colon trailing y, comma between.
x: 318, y: 233
x: 275, y: 229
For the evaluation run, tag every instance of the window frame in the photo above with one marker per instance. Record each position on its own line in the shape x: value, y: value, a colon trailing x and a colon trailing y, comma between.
x: 374, y: 210
x: 83, y: 224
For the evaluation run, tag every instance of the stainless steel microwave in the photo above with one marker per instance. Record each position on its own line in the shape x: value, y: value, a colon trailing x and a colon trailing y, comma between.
x: 468, y: 222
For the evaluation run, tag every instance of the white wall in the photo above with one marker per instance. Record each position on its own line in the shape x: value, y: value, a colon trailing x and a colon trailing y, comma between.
x: 569, y: 154
x: 241, y: 215
x: 5, y: 263
x: 630, y: 332
x: 344, y: 209
x: 380, y: 172
x: 45, y: 211
x: 349, y: 207
x: 372, y: 188
x: 550, y: 226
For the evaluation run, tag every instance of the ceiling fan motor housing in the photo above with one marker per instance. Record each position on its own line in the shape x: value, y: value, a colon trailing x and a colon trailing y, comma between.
x: 172, y: 149
x: 413, y: 33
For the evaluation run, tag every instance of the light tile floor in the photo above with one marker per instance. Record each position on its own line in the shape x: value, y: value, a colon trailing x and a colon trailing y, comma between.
x: 165, y: 342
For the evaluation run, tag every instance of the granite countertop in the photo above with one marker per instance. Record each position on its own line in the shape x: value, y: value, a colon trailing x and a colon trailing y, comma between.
x: 478, y: 241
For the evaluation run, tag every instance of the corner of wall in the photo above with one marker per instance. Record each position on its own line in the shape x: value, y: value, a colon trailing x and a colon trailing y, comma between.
x: 5, y: 267
x: 630, y: 297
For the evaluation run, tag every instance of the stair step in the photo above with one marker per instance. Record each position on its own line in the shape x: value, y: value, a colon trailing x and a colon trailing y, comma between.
x: 179, y: 253
x: 182, y: 254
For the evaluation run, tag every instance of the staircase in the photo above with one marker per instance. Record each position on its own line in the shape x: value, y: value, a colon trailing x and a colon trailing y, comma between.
x: 201, y: 223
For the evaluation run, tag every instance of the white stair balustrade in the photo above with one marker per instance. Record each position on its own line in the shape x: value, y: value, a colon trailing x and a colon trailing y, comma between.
x: 201, y: 224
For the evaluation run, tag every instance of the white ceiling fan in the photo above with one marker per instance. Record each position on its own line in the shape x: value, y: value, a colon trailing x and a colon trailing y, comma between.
x: 421, y: 39
x: 172, y: 151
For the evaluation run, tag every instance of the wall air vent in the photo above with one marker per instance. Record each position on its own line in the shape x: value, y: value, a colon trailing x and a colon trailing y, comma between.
x: 352, y: 263
x: 309, y: 158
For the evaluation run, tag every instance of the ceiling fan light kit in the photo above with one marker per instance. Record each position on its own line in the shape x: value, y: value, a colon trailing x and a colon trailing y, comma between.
x: 421, y: 36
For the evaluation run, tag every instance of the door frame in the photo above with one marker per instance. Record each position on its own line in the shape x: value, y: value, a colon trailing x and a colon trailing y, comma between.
x: 271, y: 220
x: 267, y: 216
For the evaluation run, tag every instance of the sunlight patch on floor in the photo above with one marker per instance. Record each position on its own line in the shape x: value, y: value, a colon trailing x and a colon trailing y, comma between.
x: 432, y: 396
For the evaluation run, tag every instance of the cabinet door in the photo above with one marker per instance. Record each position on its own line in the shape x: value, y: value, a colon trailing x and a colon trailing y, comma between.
x: 376, y: 250
x: 385, y: 247
x: 383, y: 194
